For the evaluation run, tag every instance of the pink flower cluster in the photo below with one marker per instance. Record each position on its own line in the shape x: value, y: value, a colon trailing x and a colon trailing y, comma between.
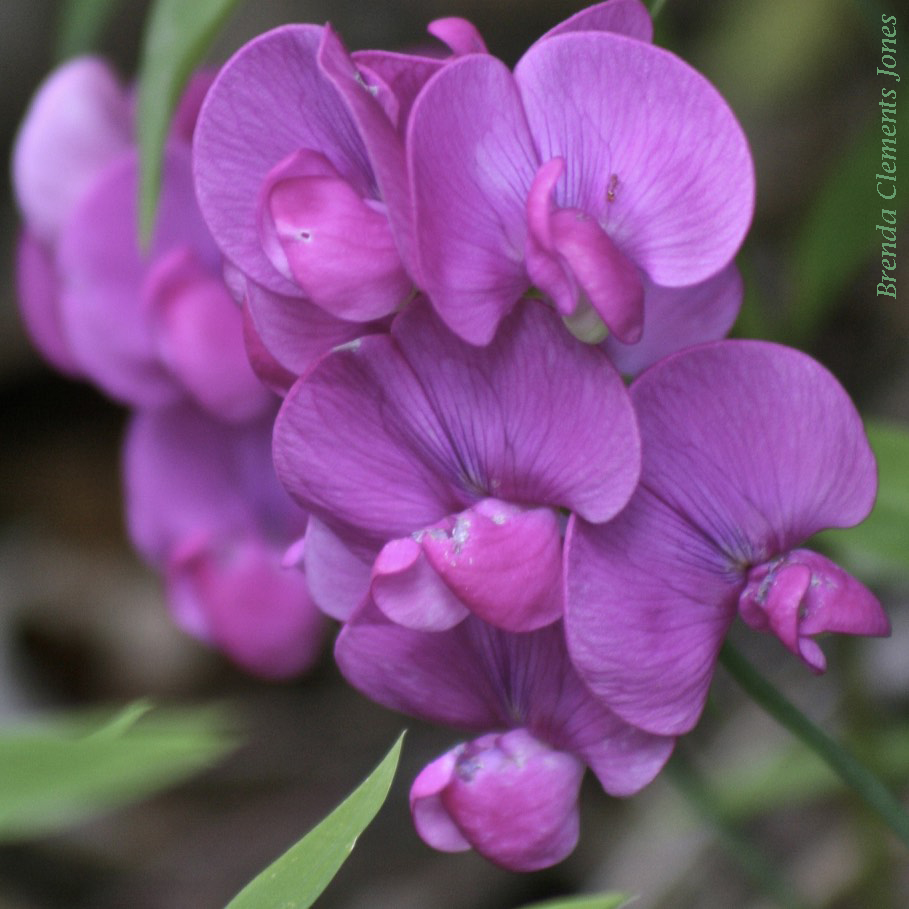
x: 446, y: 267
x: 159, y: 332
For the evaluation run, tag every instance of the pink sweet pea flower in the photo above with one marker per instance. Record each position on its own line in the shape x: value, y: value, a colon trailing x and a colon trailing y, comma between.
x: 601, y: 167
x: 749, y: 449
x: 437, y: 473
x: 204, y: 508
x: 148, y: 328
x: 300, y: 175
x: 512, y: 793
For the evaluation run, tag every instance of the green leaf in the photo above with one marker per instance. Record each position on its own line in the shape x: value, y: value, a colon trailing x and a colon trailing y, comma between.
x: 80, y: 25
x: 600, y: 901
x: 879, y: 547
x: 64, y: 769
x: 178, y: 34
x: 299, y: 876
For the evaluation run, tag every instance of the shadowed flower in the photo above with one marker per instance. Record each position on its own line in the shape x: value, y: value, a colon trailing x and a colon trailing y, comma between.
x: 749, y: 449
x: 147, y: 328
x: 438, y: 473
x: 204, y: 508
x: 510, y: 794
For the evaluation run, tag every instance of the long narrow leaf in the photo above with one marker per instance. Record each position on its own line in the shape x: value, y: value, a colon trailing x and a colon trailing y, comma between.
x: 69, y: 768
x: 177, y: 36
x: 299, y: 876
x: 600, y: 901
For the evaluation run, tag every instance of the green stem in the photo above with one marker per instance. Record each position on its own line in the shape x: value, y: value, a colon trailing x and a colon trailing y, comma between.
x: 688, y: 781
x: 874, y: 793
x: 655, y: 8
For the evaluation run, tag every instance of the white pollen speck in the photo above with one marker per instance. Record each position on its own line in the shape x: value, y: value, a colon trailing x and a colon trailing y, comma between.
x: 353, y: 346
x: 499, y: 519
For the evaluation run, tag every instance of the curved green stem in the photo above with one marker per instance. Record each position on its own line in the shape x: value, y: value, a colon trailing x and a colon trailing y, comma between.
x: 858, y: 777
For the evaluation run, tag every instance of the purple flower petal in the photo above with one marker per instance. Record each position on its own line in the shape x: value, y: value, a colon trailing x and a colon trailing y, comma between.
x: 749, y: 448
x: 269, y: 101
x: 510, y: 796
x: 341, y: 443
x: 430, y: 817
x: 403, y: 74
x: 535, y: 418
x: 393, y: 434
x: 103, y: 271
x: 39, y: 304
x: 408, y: 589
x: 199, y: 332
x: 384, y: 143
x: 647, y: 606
x: 652, y: 151
x: 501, y: 561
x: 460, y: 36
x: 476, y: 677
x: 624, y: 17
x: 572, y: 259
x: 296, y: 332
x: 338, y: 571
x: 757, y: 444
x: 803, y: 594
x: 78, y: 122
x: 190, y: 477
x: 235, y: 594
x: 680, y: 317
x: 270, y: 372
x: 472, y: 162
x: 338, y: 249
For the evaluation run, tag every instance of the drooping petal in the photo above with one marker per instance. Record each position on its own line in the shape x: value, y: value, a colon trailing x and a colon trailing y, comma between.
x: 503, y: 562
x: 408, y: 589
x: 624, y: 17
x: 103, y: 271
x: 471, y: 161
x: 243, y: 601
x: 199, y: 333
x: 77, y: 124
x: 509, y: 796
x: 446, y: 680
x: 802, y: 594
x: 269, y: 101
x: 652, y: 152
x: 38, y: 294
x: 680, y: 317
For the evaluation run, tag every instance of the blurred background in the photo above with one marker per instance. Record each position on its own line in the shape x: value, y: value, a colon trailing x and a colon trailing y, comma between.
x: 83, y: 623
